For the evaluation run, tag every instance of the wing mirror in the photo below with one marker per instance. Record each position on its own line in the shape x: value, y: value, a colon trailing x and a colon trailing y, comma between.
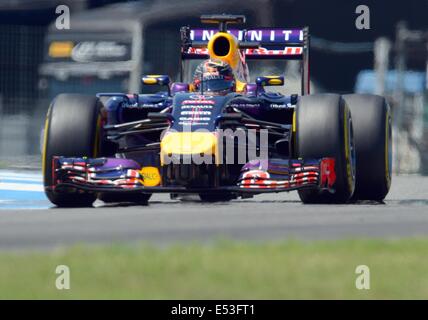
x: 268, y: 81
x: 160, y: 80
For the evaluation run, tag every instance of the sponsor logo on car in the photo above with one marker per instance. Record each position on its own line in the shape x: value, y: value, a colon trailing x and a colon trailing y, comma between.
x: 198, y: 119
x: 151, y: 176
x: 198, y: 102
x: 196, y: 112
x: 197, y: 106
x: 200, y: 97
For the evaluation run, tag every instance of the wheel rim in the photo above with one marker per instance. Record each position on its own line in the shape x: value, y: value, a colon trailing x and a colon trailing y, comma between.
x: 388, y: 150
x: 350, y: 156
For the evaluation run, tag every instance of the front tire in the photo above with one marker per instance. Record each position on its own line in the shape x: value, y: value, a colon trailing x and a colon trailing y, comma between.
x: 71, y: 130
x: 372, y: 132
x: 324, y: 129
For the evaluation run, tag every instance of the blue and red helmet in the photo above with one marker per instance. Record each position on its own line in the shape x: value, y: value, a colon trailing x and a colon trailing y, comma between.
x: 215, y: 77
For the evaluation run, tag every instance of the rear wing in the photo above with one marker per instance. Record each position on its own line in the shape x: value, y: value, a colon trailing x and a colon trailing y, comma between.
x: 272, y: 44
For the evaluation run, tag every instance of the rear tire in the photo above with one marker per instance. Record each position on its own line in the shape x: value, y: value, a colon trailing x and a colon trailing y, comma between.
x: 372, y: 135
x: 71, y: 130
x: 324, y: 129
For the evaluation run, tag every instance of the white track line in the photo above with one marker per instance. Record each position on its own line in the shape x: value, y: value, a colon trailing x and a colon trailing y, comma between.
x: 21, y: 187
x: 20, y: 179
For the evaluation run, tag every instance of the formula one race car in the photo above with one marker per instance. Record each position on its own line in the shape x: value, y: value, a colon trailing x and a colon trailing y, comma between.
x: 219, y: 135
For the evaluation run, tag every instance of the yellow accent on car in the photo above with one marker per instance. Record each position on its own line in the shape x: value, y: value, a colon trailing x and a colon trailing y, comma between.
x: 387, y: 160
x: 151, y: 176
x: 45, y: 140
x: 275, y: 82
x: 232, y: 57
x: 240, y: 86
x: 294, y: 121
x: 61, y: 49
x: 347, y: 151
x: 150, y: 80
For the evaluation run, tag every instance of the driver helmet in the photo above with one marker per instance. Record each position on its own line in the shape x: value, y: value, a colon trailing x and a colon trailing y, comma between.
x: 215, y: 77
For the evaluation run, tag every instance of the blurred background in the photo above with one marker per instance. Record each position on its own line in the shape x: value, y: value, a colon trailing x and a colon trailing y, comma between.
x: 111, y: 43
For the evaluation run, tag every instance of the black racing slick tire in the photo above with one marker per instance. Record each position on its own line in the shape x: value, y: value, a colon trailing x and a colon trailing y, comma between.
x: 323, y: 128
x: 372, y: 135
x: 72, y: 129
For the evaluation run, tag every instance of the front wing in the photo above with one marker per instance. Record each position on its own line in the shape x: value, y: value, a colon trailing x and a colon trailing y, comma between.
x: 125, y: 175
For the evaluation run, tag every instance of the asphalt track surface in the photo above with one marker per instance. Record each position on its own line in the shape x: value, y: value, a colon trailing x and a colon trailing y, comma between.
x: 28, y: 221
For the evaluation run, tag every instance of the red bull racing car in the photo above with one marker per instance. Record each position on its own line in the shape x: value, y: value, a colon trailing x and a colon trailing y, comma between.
x: 219, y: 135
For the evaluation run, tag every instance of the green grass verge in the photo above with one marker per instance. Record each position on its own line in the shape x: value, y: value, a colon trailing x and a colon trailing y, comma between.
x: 235, y: 270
